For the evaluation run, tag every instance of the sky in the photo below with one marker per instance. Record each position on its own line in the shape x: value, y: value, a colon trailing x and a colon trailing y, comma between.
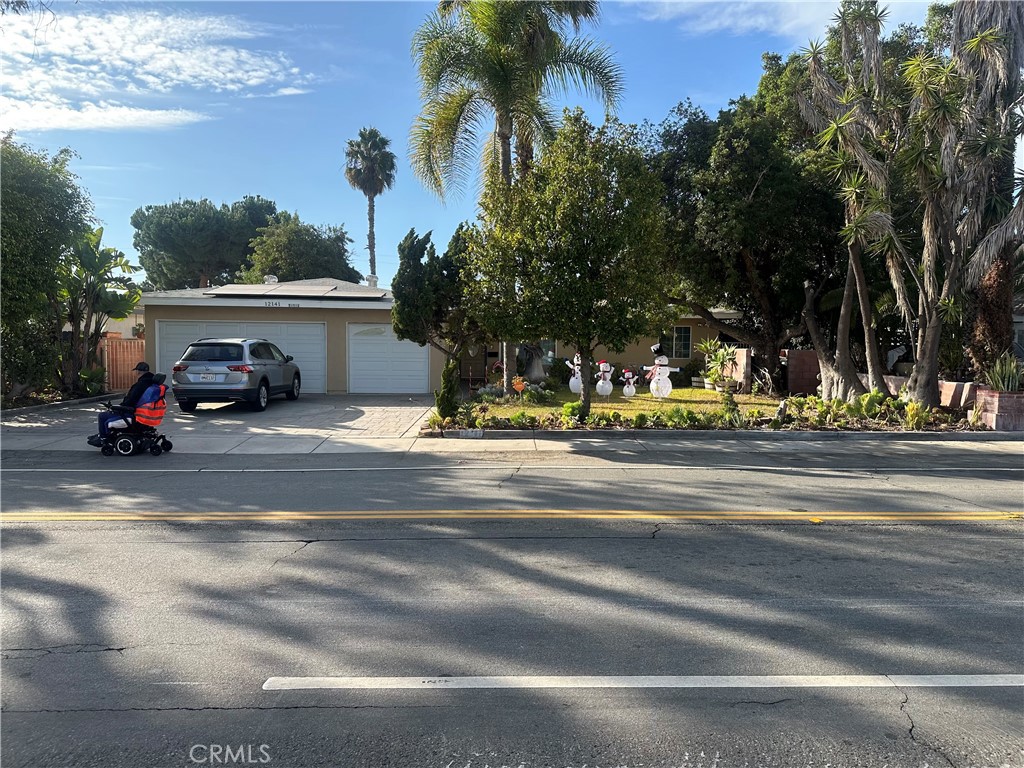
x: 168, y: 101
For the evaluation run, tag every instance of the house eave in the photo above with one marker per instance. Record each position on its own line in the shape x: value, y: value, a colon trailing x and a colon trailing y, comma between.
x: 281, y: 303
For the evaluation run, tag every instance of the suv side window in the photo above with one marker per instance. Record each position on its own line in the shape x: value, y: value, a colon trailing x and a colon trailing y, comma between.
x: 260, y: 352
x: 277, y: 353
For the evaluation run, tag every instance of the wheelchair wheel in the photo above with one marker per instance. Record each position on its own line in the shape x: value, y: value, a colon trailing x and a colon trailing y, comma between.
x: 155, y: 449
x: 124, y: 446
x: 166, y: 445
x: 107, y: 450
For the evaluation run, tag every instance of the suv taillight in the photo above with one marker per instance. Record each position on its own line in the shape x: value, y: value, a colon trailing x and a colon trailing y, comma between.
x: 240, y: 368
x: 180, y: 368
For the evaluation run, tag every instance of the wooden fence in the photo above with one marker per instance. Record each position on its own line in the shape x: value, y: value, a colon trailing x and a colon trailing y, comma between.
x: 119, y: 357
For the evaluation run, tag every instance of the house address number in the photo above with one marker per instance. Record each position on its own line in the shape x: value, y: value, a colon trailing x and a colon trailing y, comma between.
x: 278, y: 304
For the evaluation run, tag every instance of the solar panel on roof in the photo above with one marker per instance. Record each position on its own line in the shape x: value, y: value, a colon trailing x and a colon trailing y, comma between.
x: 312, y: 291
x: 241, y: 290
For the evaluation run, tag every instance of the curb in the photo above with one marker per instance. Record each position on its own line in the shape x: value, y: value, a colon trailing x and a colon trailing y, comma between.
x: 720, y: 434
x: 62, y: 404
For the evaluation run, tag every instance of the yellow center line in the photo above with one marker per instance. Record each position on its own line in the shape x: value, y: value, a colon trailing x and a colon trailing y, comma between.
x: 498, y: 514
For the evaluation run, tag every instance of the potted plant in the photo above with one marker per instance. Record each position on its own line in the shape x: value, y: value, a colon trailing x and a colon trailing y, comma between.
x: 139, y: 330
x: 724, y: 357
x: 1000, y: 405
x: 709, y: 347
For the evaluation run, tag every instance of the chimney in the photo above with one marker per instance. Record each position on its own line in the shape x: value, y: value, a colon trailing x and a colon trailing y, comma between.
x: 371, y: 280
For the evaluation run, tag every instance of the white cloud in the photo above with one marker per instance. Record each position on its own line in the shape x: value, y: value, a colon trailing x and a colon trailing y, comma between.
x: 118, y: 70
x: 288, y: 91
x: 101, y: 116
x: 797, y: 20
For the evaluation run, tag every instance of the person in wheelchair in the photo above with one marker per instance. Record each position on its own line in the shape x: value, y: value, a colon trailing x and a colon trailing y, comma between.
x: 136, y: 431
x: 127, y: 406
x: 126, y: 410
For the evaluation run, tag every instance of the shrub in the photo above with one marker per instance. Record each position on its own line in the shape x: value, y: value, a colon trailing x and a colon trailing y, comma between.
x: 93, y: 379
x: 537, y: 394
x: 1005, y: 374
x: 522, y: 420
x: 640, y: 421
x: 915, y: 415
x: 571, y: 414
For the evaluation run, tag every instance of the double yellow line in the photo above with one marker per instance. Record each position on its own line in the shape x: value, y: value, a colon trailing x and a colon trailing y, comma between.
x: 505, y: 514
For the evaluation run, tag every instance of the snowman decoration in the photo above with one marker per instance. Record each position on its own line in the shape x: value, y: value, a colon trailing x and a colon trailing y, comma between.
x: 576, y: 382
x: 629, y: 382
x: 604, y: 378
x: 658, y: 373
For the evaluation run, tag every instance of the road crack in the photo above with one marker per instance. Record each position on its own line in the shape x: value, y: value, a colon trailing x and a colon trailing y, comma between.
x: 26, y: 653
x: 762, y: 703
x: 910, y: 731
x: 657, y: 528
x: 509, y: 478
x: 305, y: 543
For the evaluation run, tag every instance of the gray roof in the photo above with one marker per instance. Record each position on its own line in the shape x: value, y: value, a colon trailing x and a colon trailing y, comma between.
x: 316, y: 288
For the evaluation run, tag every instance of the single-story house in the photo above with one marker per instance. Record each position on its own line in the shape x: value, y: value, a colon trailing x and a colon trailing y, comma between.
x: 340, y: 334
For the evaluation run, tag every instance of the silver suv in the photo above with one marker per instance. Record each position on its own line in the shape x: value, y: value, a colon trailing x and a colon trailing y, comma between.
x: 220, y: 370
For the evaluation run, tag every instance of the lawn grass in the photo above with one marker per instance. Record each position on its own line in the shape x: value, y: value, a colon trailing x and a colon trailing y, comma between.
x: 697, y: 400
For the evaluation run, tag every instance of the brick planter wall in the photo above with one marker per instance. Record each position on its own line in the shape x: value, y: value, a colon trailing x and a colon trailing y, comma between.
x: 1003, y: 411
x: 802, y: 371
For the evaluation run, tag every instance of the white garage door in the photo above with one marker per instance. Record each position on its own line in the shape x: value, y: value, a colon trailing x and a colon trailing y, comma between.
x: 380, y: 363
x: 306, y: 342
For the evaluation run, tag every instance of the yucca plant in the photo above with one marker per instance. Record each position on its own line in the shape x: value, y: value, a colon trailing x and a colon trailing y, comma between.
x: 1005, y: 373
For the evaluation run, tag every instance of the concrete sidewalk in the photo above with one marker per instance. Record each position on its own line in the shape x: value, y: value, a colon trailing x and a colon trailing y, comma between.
x: 320, y: 424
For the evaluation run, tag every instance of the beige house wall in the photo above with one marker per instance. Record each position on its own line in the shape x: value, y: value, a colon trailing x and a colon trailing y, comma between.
x: 335, y: 320
x: 639, y: 354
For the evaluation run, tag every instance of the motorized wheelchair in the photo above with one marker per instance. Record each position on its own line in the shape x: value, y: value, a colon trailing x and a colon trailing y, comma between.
x: 136, y: 437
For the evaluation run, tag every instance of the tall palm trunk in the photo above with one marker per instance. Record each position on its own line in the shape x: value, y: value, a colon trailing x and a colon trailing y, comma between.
x: 504, y: 134
x: 370, y: 239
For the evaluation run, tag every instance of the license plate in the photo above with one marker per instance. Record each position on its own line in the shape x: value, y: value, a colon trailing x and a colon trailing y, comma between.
x: 207, y: 376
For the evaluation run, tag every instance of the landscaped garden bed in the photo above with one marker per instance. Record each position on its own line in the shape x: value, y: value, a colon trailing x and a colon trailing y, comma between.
x: 693, y: 408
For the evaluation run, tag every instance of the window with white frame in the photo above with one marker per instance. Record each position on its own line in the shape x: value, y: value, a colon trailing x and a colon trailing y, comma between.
x: 676, y: 343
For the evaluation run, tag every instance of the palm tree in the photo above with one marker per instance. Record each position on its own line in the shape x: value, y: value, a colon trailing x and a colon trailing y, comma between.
x: 499, y: 58
x: 370, y: 168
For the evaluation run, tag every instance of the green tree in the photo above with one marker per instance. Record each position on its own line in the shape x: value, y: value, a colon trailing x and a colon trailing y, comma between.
x: 583, y: 236
x: 93, y: 285
x: 43, y: 211
x: 290, y: 249
x: 195, y: 244
x: 747, y: 223
x: 946, y: 127
x: 370, y: 168
x: 500, y: 59
x: 430, y: 306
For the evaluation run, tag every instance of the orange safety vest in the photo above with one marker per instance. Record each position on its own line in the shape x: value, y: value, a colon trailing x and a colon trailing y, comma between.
x: 151, y: 413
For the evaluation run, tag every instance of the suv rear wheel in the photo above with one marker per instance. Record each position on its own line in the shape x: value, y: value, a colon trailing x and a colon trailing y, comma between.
x: 188, y: 405
x: 262, y: 396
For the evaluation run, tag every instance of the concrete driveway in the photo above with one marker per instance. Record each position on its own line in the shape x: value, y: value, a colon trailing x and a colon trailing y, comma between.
x: 312, y: 424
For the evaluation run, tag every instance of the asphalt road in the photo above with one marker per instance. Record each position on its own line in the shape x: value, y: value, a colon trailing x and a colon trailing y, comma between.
x: 148, y: 643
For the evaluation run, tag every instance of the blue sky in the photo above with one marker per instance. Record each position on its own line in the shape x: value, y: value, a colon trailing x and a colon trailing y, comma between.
x: 163, y: 101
